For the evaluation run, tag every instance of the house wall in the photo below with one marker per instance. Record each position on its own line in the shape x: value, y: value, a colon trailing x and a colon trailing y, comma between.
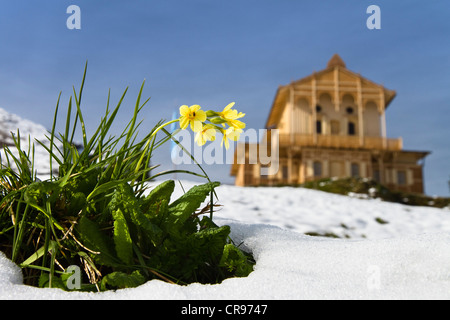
x: 372, y: 120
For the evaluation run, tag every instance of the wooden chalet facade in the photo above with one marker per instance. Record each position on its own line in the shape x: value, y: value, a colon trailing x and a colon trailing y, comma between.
x: 332, y: 124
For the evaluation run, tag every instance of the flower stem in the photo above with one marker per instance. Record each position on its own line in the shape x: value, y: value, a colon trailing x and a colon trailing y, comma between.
x: 163, y: 125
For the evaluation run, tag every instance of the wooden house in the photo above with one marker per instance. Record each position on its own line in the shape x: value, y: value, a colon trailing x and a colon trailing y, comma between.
x: 332, y: 124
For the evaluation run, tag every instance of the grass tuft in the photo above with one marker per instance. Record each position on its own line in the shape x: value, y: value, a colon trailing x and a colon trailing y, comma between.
x: 96, y: 213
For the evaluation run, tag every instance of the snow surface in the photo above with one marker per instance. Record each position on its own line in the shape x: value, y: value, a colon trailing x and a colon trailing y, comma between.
x: 406, y: 258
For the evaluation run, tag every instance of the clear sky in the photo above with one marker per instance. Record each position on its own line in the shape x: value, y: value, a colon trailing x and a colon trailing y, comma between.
x: 212, y: 52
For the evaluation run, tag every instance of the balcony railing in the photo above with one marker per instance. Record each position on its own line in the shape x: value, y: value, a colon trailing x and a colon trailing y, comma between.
x: 336, y: 141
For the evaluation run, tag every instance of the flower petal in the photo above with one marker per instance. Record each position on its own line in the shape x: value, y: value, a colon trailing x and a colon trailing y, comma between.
x: 229, y: 106
x: 240, y: 115
x: 200, y: 115
x: 236, y: 124
x: 194, y: 108
x: 230, y: 114
x: 184, y: 122
x: 200, y: 139
x: 210, y: 134
x: 196, y: 126
x: 184, y: 110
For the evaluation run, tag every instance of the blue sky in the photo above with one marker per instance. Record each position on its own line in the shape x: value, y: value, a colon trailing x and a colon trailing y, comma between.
x: 212, y: 52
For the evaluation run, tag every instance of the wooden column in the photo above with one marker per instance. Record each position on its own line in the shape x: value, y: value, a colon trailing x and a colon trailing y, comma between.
x: 291, y: 123
x: 336, y: 89
x: 360, y: 113
x: 383, y: 118
x: 326, y: 168
x: 292, y: 133
x: 290, y: 166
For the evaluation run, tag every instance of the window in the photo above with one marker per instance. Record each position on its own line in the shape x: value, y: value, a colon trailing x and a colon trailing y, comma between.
x: 318, y: 108
x: 355, y: 170
x: 401, y: 178
x: 285, y: 172
x: 319, y: 127
x: 351, y: 129
x: 376, y: 175
x: 349, y: 110
x: 317, y: 166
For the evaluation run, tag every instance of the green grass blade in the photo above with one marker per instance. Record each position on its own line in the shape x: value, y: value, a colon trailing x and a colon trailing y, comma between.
x: 52, y: 137
x: 35, y: 256
x: 80, y: 116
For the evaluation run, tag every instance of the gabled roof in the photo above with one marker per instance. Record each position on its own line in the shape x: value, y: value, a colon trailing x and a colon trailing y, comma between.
x: 336, y: 62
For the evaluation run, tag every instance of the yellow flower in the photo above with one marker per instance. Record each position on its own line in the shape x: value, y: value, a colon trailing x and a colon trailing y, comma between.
x: 192, y: 115
x: 208, y: 133
x: 231, y: 116
x: 230, y: 134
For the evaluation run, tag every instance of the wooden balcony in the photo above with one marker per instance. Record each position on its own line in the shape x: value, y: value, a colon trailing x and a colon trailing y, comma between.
x: 336, y: 141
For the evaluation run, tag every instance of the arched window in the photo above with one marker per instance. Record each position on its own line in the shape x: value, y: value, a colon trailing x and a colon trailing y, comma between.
x: 319, y: 126
x: 351, y: 129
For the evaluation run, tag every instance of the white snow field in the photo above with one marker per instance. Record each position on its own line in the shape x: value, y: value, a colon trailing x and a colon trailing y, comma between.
x: 406, y: 257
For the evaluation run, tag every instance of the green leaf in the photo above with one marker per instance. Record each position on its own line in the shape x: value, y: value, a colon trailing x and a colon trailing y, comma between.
x: 125, y: 200
x: 160, y: 195
x: 235, y: 261
x: 95, y: 240
x: 190, y: 256
x: 122, y: 237
x: 84, y: 182
x: 36, y: 255
x: 120, y: 280
x: 40, y: 192
x: 44, y: 282
x: 77, y: 202
x: 104, y: 187
x: 181, y: 209
x: 211, y: 241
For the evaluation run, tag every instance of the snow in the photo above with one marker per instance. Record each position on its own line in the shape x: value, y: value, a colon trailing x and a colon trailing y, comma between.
x: 406, y: 257
x: 29, y: 131
x: 11, y: 122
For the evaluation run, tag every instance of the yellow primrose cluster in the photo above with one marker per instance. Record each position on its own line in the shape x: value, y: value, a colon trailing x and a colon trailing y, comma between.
x: 196, y: 118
